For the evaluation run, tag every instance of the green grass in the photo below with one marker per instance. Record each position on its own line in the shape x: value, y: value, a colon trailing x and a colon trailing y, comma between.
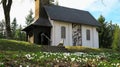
x: 87, y: 49
x: 13, y: 45
x: 19, y: 53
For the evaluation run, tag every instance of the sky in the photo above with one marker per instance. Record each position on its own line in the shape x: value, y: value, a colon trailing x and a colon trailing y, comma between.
x: 110, y: 9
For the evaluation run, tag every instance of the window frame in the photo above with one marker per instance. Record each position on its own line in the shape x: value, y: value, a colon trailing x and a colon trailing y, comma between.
x: 63, y: 32
x: 88, y: 34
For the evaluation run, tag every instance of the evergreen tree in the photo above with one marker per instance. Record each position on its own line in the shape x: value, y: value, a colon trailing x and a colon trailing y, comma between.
x: 29, y: 18
x: 101, y: 29
x: 19, y: 34
x: 105, y: 33
x: 14, y: 28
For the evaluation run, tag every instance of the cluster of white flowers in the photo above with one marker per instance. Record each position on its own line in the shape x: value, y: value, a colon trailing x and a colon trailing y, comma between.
x: 116, y: 64
x: 28, y: 56
x: 77, y: 57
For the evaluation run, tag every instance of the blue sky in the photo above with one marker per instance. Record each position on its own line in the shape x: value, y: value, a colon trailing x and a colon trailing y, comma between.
x: 110, y: 9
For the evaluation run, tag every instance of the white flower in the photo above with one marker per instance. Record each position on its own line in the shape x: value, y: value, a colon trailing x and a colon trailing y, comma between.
x: 93, y: 60
x: 28, y: 56
x: 79, y: 53
x: 66, y: 54
x: 20, y: 65
x: 27, y: 66
x: 72, y: 59
x: 117, y: 64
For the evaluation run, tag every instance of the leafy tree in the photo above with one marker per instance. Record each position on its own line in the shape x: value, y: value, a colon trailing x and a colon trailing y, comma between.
x: 116, y: 38
x: 29, y: 18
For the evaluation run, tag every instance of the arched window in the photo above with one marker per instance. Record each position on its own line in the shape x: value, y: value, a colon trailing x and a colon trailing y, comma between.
x: 88, y: 34
x: 63, y: 32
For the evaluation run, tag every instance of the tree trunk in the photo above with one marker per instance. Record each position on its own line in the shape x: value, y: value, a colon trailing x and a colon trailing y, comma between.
x: 6, y: 7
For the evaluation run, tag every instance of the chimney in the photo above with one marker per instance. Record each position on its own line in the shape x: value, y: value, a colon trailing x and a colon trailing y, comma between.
x: 39, y: 10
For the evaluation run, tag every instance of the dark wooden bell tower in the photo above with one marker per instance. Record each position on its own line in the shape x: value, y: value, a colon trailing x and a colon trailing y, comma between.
x: 39, y: 32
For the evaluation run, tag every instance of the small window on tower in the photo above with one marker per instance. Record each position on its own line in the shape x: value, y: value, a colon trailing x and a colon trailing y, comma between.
x: 63, y: 32
x: 88, y: 34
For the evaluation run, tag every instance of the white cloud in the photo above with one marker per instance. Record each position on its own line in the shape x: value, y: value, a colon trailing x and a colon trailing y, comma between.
x: 19, y: 9
x: 78, y: 4
x: 105, y: 7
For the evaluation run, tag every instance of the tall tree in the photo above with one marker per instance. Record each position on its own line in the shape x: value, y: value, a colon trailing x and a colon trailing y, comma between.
x: 6, y: 7
x: 105, y: 33
x: 14, y: 27
x: 109, y: 36
x: 101, y: 19
x: 116, y: 37
x: 29, y: 18
x: 19, y: 34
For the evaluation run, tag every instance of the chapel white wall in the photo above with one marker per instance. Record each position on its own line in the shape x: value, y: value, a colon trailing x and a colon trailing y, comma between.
x: 56, y: 33
x: 93, y: 42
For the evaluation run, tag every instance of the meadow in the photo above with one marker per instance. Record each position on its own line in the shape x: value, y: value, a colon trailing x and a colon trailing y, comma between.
x: 22, y: 54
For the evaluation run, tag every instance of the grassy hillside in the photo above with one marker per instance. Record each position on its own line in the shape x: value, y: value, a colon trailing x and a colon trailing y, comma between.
x: 13, y: 45
x: 23, y: 54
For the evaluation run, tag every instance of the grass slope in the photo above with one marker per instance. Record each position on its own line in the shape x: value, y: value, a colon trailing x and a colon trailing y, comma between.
x: 23, y: 54
x: 13, y: 45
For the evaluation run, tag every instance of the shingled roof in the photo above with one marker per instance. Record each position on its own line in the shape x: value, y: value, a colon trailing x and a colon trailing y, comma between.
x: 39, y: 22
x: 65, y: 14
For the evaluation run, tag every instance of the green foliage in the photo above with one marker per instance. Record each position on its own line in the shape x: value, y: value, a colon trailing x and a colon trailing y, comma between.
x: 48, y: 59
x: 14, y: 28
x: 109, y: 36
x: 87, y: 49
x: 105, y: 33
x: 116, y: 37
x: 19, y: 34
x: 19, y: 53
x: 29, y: 18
